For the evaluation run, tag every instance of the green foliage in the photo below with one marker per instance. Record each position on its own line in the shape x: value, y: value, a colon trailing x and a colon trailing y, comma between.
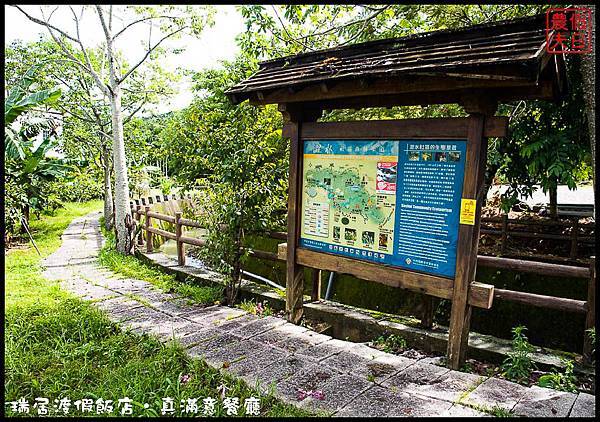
x: 166, y: 185
x: 236, y: 156
x: 560, y: 381
x: 390, y: 344
x: 130, y: 266
x: 518, y: 366
x: 260, y: 309
x: 57, y: 346
x: 82, y: 187
x: 591, y: 332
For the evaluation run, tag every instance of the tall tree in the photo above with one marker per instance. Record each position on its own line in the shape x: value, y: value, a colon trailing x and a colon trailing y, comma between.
x: 165, y: 22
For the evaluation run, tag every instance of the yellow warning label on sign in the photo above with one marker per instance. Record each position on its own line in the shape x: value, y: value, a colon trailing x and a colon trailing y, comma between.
x: 467, y: 211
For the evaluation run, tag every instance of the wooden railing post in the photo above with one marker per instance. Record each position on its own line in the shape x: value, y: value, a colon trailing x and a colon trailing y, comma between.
x: 427, y: 312
x: 590, y: 318
x: 138, y: 217
x: 504, y: 233
x: 180, y: 245
x: 315, y: 293
x: 148, y: 232
x: 574, y: 234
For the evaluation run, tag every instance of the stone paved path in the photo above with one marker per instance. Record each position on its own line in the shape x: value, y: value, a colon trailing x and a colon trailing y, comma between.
x: 268, y: 352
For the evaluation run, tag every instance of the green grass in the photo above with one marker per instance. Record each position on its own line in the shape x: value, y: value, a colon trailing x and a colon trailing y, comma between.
x: 131, y: 267
x: 57, y: 346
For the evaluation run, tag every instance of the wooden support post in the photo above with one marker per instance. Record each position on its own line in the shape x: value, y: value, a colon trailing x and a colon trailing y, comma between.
x: 468, y: 239
x: 180, y: 244
x: 574, y: 234
x: 138, y: 217
x: 315, y: 293
x: 590, y: 318
x: 294, y: 287
x: 427, y: 312
x: 148, y: 232
x: 504, y: 233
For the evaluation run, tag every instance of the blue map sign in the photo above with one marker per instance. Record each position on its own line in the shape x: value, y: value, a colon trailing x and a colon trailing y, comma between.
x: 395, y: 202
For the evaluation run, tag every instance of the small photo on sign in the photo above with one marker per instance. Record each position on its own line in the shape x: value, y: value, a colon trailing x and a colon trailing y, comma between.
x: 454, y: 156
x: 413, y: 156
x: 336, y: 233
x: 383, y: 240
x: 386, y: 177
x: 441, y: 156
x: 426, y: 156
x: 350, y: 234
x: 368, y: 238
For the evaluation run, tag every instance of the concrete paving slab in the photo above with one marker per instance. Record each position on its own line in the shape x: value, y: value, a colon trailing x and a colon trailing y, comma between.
x: 450, y: 387
x: 216, y: 342
x: 324, y: 350
x: 337, y: 392
x: 381, y: 402
x: 459, y: 411
x: 545, y: 403
x: 584, y: 406
x: 302, y: 340
x: 495, y: 392
x: 258, y: 326
x: 277, y: 334
x: 414, y: 376
x: 199, y: 335
x: 283, y: 369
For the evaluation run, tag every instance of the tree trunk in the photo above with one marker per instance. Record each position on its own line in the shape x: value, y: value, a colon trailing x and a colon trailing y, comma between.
x: 553, y: 193
x: 120, y: 166
x: 108, y: 195
x: 588, y: 72
x: 25, y: 212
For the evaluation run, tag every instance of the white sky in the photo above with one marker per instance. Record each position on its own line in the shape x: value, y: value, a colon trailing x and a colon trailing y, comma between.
x: 216, y: 43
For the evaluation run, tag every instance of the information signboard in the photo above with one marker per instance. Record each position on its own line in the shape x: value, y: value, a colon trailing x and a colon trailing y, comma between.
x: 395, y: 202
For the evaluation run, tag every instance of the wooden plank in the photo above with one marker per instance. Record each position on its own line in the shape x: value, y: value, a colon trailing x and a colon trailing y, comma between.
x: 190, y: 223
x: 384, y: 86
x: 541, y: 268
x: 162, y: 217
x: 162, y: 233
x: 543, y: 90
x: 590, y: 317
x: 192, y: 241
x: 543, y: 301
x: 481, y: 294
x: 454, y: 127
x: 466, y: 252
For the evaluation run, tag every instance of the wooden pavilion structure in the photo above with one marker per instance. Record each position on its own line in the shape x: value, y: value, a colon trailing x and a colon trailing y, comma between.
x: 476, y: 67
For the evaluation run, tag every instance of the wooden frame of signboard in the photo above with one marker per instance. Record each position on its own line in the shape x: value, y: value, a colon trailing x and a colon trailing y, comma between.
x: 464, y: 292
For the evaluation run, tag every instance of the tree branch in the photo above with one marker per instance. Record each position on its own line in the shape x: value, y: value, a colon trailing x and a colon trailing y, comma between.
x: 154, y: 47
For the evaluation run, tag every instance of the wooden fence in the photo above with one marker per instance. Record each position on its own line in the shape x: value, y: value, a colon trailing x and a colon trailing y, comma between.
x: 586, y: 307
x: 575, y: 237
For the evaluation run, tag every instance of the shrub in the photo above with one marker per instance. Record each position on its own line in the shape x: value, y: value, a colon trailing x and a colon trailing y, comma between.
x: 85, y: 186
x: 518, y: 366
x: 560, y: 381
